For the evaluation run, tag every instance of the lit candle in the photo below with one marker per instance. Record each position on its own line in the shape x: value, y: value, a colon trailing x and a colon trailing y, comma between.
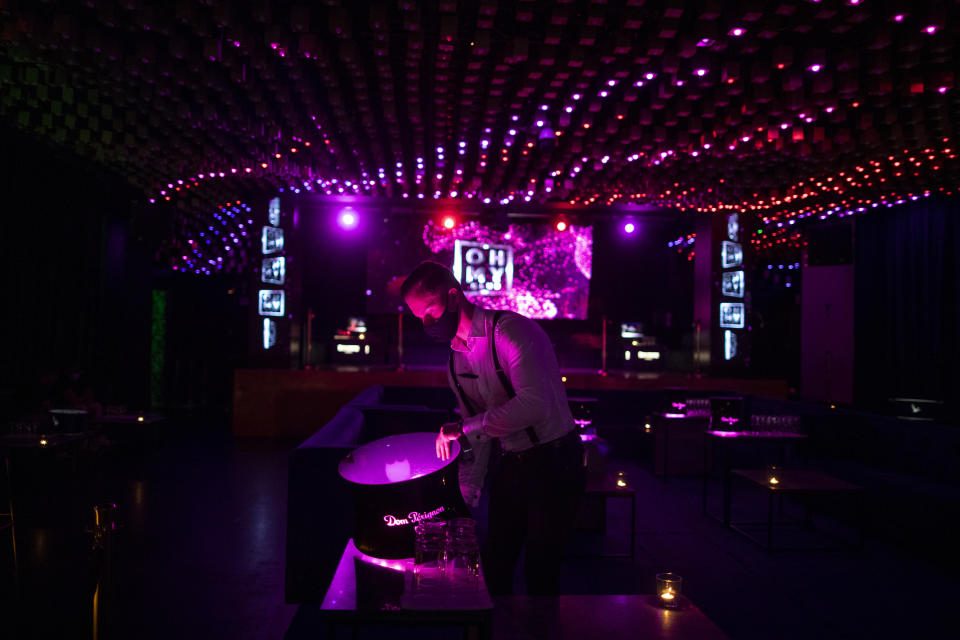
x: 667, y: 596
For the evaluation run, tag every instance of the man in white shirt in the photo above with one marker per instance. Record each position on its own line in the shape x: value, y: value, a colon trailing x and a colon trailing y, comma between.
x: 504, y: 372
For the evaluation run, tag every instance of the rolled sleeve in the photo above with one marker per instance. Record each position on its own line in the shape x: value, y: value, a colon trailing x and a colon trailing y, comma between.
x: 473, y: 425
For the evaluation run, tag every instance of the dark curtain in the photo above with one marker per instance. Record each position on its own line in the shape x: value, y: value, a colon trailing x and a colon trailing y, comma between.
x: 908, y: 302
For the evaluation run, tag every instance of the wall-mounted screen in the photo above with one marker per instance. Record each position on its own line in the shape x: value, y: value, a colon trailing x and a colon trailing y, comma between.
x: 631, y: 330
x: 271, y: 302
x: 532, y: 269
x: 272, y: 240
x: 732, y: 315
x: 274, y: 270
x: 731, y: 284
x: 729, y: 344
x: 731, y: 254
x: 269, y: 333
x: 273, y: 212
x: 733, y: 227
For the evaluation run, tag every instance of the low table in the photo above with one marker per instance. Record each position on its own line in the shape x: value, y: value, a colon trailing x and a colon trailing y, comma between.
x: 606, y: 487
x: 610, y: 617
x: 793, y: 482
x: 374, y: 591
x: 726, y: 439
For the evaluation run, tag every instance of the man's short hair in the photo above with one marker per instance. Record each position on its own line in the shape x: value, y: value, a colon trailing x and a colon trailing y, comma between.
x: 431, y: 277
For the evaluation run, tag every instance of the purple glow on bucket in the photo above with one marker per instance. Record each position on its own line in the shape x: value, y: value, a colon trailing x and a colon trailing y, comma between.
x: 395, y: 459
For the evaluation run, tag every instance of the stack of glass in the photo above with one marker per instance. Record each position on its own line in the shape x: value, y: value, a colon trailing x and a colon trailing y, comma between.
x: 430, y: 556
x: 463, y: 555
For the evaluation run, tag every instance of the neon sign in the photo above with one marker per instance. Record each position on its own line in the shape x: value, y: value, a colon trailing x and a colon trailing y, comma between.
x: 483, y: 267
x: 413, y: 516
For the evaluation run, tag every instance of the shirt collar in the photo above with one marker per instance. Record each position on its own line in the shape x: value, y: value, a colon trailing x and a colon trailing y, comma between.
x: 478, y: 329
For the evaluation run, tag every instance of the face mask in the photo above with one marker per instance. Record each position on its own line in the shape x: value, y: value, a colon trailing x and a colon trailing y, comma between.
x: 445, y: 327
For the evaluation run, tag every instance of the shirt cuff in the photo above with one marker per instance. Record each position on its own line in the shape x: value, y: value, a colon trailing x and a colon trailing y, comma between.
x: 473, y: 425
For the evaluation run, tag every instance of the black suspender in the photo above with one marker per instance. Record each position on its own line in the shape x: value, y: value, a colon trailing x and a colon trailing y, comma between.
x: 504, y: 380
x: 501, y: 374
x: 463, y: 396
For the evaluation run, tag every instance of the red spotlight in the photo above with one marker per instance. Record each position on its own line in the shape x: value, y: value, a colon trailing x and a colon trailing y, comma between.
x: 561, y: 225
x: 449, y: 222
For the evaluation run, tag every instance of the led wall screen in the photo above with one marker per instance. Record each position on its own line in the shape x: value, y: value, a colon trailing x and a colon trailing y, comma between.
x: 731, y: 315
x: 271, y: 302
x: 731, y: 284
x: 532, y: 269
x: 274, y: 270
x: 731, y: 254
x: 272, y: 240
x: 269, y: 333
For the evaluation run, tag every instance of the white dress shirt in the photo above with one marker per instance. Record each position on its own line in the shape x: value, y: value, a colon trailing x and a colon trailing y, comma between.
x: 530, y: 363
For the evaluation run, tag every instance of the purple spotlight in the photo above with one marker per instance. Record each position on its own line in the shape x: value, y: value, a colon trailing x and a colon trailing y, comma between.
x: 815, y: 67
x: 932, y: 29
x: 347, y: 219
x: 629, y: 227
x: 701, y: 72
x: 899, y: 17
x: 736, y: 32
x: 650, y: 75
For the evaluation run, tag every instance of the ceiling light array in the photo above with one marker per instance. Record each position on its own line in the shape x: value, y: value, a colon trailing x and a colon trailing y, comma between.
x: 698, y: 106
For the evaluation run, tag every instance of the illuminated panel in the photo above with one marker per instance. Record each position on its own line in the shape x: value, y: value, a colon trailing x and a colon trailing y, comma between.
x: 271, y: 302
x: 731, y: 254
x: 548, y: 276
x: 482, y: 267
x: 274, y: 270
x: 272, y: 240
x: 273, y: 212
x: 729, y: 344
x: 733, y: 227
x: 631, y: 330
x: 269, y: 333
x: 348, y: 348
x: 731, y: 284
x: 731, y: 315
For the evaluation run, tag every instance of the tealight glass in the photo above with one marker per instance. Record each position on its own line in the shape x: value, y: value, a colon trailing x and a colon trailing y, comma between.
x: 668, y: 589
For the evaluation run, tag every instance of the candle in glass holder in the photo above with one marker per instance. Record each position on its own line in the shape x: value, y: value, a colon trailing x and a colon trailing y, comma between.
x: 773, y: 476
x: 668, y: 589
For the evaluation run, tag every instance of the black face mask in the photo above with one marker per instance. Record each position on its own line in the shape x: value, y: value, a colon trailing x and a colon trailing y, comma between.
x: 445, y: 327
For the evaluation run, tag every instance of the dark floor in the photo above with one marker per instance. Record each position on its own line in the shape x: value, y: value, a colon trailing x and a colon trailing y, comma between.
x: 200, y: 547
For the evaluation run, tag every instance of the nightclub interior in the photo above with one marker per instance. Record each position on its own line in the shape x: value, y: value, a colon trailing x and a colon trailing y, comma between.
x: 480, y: 319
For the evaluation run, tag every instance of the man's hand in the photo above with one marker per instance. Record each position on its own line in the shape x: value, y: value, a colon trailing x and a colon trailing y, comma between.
x: 449, y: 432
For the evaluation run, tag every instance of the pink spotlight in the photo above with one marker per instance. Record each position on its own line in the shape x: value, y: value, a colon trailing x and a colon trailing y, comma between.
x: 701, y: 72
x: 932, y: 29
x: 815, y: 67
x: 629, y: 227
x: 899, y: 17
x: 347, y: 219
x: 736, y: 32
x: 449, y: 222
x: 561, y: 225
